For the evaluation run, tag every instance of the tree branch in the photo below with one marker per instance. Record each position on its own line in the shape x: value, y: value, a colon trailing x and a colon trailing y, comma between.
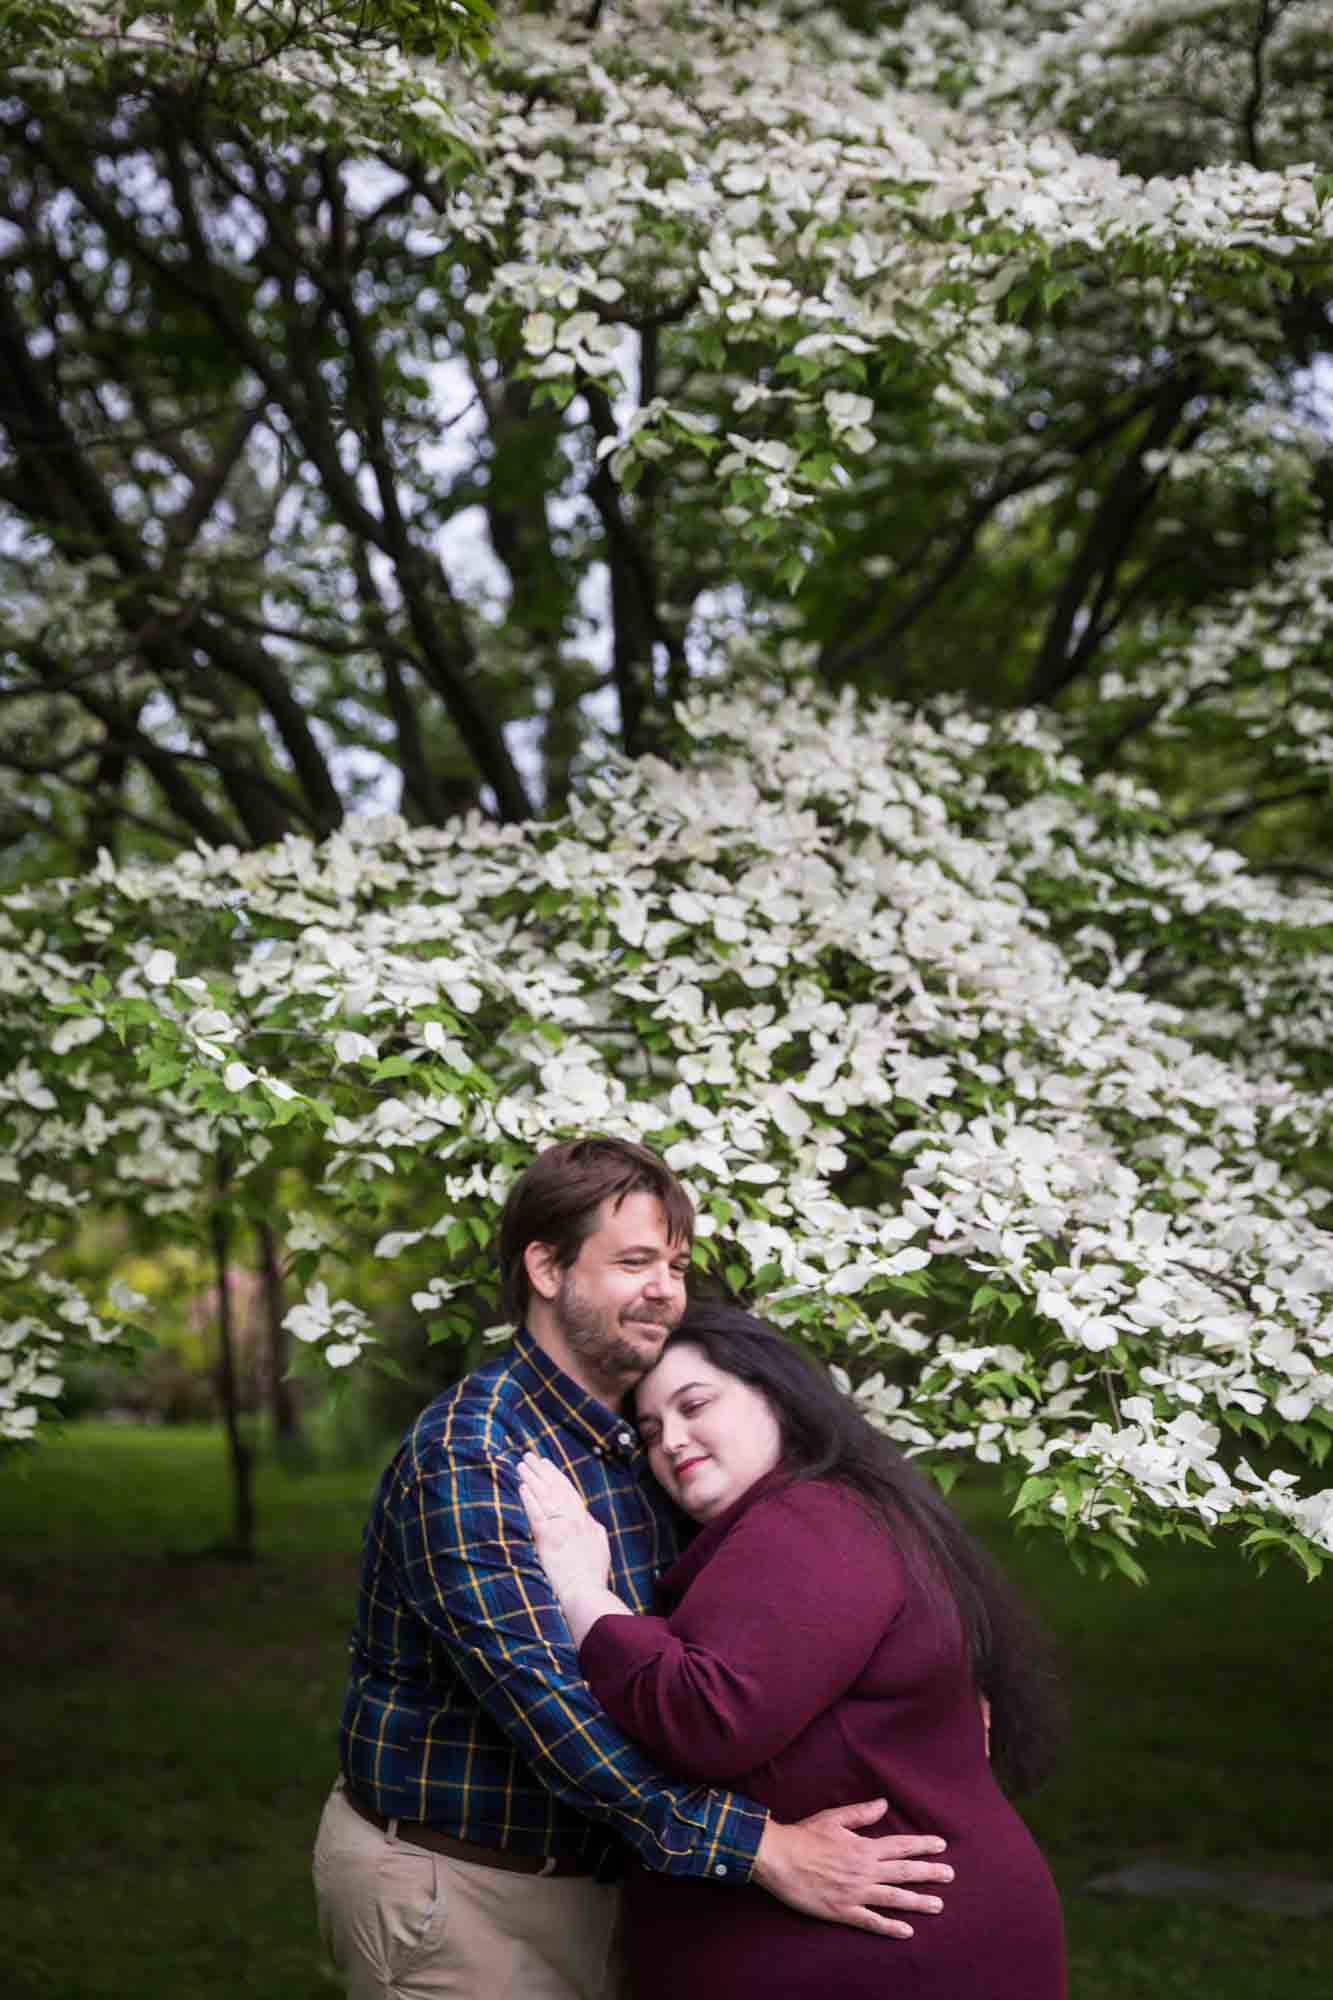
x: 838, y: 661
x: 1231, y: 815
x: 211, y: 481
x: 419, y: 786
x: 636, y: 622
x: 1252, y: 109
x: 1105, y: 545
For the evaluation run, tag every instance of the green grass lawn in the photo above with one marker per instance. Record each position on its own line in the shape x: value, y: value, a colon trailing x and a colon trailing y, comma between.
x: 169, y: 1728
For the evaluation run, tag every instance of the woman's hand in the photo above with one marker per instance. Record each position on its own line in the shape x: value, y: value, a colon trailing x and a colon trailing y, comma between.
x: 573, y: 1547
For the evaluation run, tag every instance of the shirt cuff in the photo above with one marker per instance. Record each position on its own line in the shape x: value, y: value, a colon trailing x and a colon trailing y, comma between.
x: 728, y: 1841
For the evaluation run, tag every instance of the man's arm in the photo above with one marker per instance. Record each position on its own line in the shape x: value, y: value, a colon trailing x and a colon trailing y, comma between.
x: 468, y: 1565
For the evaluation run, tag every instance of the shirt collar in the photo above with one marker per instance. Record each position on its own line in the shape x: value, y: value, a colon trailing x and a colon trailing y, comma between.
x: 563, y: 1405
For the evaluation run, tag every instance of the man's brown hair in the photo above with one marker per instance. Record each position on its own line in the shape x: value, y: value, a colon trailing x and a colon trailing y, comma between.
x: 556, y: 1200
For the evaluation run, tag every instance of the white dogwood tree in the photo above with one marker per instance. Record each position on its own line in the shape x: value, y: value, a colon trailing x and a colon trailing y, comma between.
x: 874, y: 983
x: 790, y: 349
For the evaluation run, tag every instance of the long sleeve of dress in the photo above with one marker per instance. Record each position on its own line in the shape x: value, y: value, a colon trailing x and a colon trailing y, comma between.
x: 779, y: 1622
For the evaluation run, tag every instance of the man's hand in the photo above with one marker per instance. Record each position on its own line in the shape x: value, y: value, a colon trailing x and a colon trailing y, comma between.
x: 822, y: 1866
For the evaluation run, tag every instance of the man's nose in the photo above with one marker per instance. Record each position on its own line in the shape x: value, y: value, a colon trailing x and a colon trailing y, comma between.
x: 662, y: 1281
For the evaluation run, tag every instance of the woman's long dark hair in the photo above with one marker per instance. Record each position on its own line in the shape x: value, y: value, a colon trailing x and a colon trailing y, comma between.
x: 824, y: 1436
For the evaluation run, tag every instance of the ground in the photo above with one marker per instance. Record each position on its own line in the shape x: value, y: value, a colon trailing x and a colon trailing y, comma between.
x: 169, y: 1732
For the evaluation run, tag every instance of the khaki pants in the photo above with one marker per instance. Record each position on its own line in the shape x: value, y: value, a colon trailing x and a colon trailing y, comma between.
x: 403, y: 1924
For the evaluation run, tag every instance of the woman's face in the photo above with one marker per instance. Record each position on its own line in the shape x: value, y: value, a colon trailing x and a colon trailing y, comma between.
x: 709, y: 1435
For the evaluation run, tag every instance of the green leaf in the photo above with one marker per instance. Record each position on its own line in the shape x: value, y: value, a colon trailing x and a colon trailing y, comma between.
x: 1035, y: 1488
x: 1056, y: 287
x: 393, y: 1066
x: 385, y: 1364
x: 1121, y: 1559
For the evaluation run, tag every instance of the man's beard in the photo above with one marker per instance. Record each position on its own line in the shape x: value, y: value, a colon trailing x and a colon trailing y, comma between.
x: 612, y: 1356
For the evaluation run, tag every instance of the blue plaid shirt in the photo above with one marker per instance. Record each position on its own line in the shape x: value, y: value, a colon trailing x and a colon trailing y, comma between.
x: 466, y: 1707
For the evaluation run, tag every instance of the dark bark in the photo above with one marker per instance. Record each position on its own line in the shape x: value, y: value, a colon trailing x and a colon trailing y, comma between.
x: 1252, y: 110
x: 107, y: 786
x: 637, y: 626
x: 281, y: 1402
x: 240, y: 1459
x: 889, y: 620
x: 1110, y: 533
x: 293, y: 382
x: 523, y: 472
x: 1222, y: 817
x: 835, y: 666
x: 68, y: 499
x: 445, y: 652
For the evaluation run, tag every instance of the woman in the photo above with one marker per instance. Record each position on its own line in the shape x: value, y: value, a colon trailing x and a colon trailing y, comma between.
x: 830, y: 1634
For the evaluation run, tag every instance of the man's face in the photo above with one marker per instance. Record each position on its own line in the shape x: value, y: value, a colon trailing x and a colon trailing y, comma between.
x: 623, y: 1293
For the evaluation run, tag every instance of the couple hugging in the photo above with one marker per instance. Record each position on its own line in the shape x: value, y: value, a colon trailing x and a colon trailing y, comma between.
x: 670, y: 1675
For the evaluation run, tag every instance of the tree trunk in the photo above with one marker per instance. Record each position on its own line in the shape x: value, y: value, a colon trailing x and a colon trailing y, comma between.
x: 281, y: 1401
x: 242, y: 1543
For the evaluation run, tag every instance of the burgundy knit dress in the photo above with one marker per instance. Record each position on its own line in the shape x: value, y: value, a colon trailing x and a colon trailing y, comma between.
x: 797, y: 1661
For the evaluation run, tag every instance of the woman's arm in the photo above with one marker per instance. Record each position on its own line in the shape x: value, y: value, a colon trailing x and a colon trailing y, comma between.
x: 822, y: 1864
x: 779, y: 1623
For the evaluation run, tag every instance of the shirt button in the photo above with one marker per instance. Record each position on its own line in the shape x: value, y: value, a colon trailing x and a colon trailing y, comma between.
x: 721, y: 1868
x: 625, y: 1439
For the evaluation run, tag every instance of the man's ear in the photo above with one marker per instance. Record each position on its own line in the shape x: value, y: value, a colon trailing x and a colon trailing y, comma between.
x: 543, y: 1269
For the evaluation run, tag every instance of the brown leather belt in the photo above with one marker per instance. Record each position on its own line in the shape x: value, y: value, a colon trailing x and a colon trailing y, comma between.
x: 418, y: 1834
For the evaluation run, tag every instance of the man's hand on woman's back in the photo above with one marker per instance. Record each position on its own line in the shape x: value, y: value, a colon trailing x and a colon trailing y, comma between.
x: 823, y: 1866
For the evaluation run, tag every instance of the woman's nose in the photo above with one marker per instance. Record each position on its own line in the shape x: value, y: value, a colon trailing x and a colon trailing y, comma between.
x: 673, y: 1436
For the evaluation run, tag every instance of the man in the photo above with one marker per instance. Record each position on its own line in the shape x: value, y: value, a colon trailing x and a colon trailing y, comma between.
x: 472, y: 1844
